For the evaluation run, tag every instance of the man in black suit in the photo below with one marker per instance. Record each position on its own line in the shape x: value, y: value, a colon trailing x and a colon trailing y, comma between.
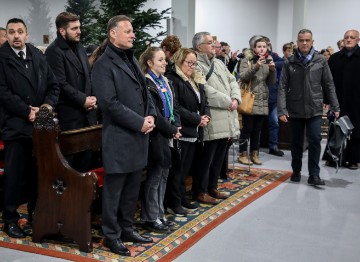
x: 128, y: 117
x: 26, y: 82
x: 68, y: 60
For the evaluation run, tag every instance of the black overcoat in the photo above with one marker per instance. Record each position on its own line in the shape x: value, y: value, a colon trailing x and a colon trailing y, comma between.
x: 346, y: 74
x: 124, y: 102
x: 190, y: 108
x: 73, y: 74
x: 18, y: 91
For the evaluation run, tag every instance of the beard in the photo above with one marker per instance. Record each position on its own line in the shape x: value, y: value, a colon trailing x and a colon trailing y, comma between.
x: 71, y: 39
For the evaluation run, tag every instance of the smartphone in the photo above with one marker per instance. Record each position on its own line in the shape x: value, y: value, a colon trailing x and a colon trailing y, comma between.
x: 255, y: 58
x: 268, y: 61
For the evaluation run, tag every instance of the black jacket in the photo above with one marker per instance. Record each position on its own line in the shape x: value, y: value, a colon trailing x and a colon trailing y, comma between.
x: 346, y: 73
x: 18, y: 91
x: 124, y: 102
x: 73, y: 74
x: 190, y: 108
x: 159, y: 151
x: 302, y: 90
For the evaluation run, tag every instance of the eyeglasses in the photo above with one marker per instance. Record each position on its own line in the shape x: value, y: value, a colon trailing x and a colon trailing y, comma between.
x: 209, y: 43
x: 190, y: 63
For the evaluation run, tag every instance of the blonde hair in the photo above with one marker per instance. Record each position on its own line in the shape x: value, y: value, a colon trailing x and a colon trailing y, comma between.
x: 180, y: 55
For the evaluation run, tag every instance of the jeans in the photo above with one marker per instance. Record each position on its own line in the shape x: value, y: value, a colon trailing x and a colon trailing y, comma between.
x: 313, y: 134
x: 154, y: 192
x: 273, y: 126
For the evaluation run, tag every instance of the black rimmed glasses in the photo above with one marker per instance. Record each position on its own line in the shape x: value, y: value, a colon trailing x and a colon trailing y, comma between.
x: 191, y: 63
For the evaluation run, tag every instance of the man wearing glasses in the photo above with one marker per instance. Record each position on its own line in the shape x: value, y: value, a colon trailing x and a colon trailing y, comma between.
x: 223, y: 96
x: 345, y: 68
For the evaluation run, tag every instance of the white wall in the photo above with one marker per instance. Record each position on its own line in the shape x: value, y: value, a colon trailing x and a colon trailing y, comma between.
x: 329, y: 20
x: 236, y: 21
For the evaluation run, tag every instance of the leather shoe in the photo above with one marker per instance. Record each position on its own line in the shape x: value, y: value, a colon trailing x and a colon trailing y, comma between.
x: 117, y: 247
x: 295, y: 177
x: 316, y: 181
x: 14, y: 231
x: 276, y: 152
x: 135, y: 237
x: 219, y: 195
x: 156, y: 226
x: 207, y: 199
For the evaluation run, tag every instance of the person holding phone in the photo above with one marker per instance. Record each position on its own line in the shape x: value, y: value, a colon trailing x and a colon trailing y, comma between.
x: 259, y: 68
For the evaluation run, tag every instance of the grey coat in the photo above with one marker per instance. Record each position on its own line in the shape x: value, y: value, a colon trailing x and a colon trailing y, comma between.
x: 260, y: 80
x: 302, y: 89
x: 124, y: 101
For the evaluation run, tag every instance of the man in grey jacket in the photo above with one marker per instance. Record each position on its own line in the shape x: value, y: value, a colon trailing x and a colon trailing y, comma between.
x: 305, y: 80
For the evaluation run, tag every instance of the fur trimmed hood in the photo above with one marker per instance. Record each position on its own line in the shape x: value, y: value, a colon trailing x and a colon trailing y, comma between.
x: 249, y: 54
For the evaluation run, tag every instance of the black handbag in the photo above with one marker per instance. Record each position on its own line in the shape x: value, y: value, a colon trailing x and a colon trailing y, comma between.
x: 339, y: 133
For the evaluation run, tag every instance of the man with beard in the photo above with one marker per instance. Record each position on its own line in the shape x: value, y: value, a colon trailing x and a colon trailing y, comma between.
x: 67, y: 57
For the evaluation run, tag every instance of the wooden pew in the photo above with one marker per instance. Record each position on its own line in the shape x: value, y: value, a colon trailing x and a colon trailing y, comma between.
x: 65, y: 195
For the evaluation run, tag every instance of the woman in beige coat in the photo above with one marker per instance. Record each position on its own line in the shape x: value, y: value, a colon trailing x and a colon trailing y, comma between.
x: 259, y: 68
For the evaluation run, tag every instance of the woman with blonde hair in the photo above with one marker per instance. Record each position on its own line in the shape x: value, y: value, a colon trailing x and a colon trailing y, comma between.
x: 194, y: 114
x: 153, y: 64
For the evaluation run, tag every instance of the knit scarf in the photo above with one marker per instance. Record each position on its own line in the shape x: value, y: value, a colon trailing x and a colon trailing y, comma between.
x: 305, y: 59
x: 165, y: 95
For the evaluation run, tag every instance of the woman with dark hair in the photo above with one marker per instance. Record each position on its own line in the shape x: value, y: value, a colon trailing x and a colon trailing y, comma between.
x: 326, y: 53
x: 153, y: 64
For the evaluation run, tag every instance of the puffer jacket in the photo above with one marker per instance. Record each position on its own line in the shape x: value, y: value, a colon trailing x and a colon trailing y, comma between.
x: 220, y: 89
x: 260, y: 80
x: 302, y: 89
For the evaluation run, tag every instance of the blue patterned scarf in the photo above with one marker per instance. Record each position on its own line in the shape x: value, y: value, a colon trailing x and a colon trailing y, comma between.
x: 305, y: 59
x: 165, y: 95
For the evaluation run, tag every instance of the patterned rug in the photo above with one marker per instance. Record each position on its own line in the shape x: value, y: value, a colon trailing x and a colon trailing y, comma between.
x: 244, y: 188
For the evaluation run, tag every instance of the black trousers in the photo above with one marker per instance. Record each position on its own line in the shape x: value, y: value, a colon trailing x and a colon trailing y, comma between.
x: 120, y: 194
x: 208, y: 166
x: 313, y: 135
x: 20, y: 178
x: 251, y: 129
x: 176, y: 185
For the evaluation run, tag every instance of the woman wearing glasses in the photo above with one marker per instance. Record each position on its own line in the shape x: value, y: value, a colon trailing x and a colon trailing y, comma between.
x: 259, y: 68
x: 153, y: 64
x: 195, y: 114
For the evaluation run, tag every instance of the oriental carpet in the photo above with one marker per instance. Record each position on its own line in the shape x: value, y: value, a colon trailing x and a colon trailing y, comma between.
x: 244, y: 188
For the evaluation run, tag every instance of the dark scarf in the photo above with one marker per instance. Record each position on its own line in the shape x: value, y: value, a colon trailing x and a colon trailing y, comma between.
x: 351, y: 51
x: 127, y: 55
x: 305, y: 59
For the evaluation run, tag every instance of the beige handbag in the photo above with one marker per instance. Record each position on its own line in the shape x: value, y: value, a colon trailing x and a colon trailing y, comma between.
x: 247, y: 99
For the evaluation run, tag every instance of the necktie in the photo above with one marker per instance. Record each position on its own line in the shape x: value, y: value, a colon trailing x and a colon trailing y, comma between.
x: 22, y: 55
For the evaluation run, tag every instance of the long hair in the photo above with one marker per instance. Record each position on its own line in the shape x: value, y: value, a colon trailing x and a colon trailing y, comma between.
x: 148, y: 55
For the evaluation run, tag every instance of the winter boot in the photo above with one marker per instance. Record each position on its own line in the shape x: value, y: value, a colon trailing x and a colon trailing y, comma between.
x: 244, y: 158
x: 254, y: 156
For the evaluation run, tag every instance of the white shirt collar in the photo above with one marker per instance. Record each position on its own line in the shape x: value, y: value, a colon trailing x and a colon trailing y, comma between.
x: 17, y: 51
